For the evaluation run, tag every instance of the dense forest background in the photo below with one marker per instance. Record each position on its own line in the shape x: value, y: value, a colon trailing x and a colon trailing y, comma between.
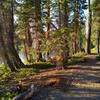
x: 41, y: 35
x: 39, y: 29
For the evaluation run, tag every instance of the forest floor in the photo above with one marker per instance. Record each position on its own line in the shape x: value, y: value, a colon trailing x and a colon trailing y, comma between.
x: 80, y: 81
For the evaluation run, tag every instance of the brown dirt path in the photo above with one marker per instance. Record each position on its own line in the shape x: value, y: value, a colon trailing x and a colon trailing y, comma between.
x: 78, y: 82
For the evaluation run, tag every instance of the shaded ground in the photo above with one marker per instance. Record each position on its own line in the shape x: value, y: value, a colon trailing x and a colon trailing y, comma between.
x: 78, y: 82
x: 85, y: 83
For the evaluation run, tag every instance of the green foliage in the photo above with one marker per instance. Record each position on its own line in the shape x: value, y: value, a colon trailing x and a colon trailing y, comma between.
x: 78, y: 54
x: 77, y: 58
x: 96, y: 18
x: 9, y: 79
x: 7, y: 95
x: 56, y: 41
x: 98, y: 57
x: 24, y: 72
x: 39, y: 66
x: 94, y: 50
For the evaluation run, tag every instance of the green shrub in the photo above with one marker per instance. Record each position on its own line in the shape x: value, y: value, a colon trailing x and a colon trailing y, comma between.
x: 77, y: 58
x: 98, y: 57
x: 42, y: 65
x: 7, y: 95
x: 78, y: 54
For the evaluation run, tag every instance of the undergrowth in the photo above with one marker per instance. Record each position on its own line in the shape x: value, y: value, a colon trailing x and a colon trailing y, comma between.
x: 9, y: 79
x: 77, y: 58
x: 98, y: 57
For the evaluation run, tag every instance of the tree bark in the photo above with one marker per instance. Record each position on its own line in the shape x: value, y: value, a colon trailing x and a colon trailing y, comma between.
x: 88, y: 35
x: 98, y: 41
x: 10, y: 54
x: 75, y: 25
x: 37, y: 18
x: 59, y: 10
x: 3, y: 49
x: 10, y: 37
x: 65, y: 37
x: 4, y: 55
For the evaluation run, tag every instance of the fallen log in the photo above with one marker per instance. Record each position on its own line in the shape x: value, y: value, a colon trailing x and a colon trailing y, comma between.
x: 33, y: 88
x: 59, y: 82
x: 27, y: 94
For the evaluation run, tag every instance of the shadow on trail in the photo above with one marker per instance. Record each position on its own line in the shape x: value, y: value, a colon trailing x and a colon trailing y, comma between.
x: 90, y: 63
x: 55, y: 94
x: 79, y: 68
x: 77, y: 82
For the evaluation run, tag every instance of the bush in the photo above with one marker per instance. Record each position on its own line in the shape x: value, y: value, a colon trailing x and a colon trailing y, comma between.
x: 78, y: 54
x: 42, y: 66
x: 98, y: 57
x: 7, y: 96
x: 77, y: 58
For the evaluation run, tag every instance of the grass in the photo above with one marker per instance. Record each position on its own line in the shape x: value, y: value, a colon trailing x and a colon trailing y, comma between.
x: 77, y: 58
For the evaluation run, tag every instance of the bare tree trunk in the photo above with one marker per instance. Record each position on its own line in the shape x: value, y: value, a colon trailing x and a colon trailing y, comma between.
x: 28, y: 44
x: 65, y: 37
x: 10, y: 37
x: 4, y: 55
x: 3, y: 49
x: 75, y: 25
x: 59, y: 10
x: 48, y: 16
x: 48, y: 24
x: 88, y: 35
x: 11, y: 55
x: 98, y: 41
x: 37, y: 17
x: 26, y: 51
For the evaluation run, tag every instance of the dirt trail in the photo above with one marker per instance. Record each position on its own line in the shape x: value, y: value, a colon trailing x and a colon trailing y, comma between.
x: 84, y: 83
x: 88, y: 85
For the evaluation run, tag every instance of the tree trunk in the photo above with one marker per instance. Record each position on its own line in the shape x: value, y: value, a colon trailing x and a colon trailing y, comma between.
x: 98, y: 41
x: 3, y: 49
x: 88, y: 35
x: 10, y: 38
x: 59, y: 10
x: 4, y: 55
x: 48, y: 24
x: 76, y: 26
x: 26, y: 50
x: 37, y: 17
x: 10, y: 54
x: 28, y: 45
x: 65, y: 24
